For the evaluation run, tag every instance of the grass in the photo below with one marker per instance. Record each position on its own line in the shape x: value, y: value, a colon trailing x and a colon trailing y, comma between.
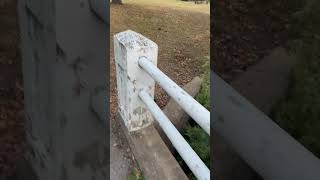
x: 299, y: 112
x: 174, y: 4
x: 136, y: 175
x: 168, y: 27
x: 198, y: 139
x: 182, y: 35
x: 204, y: 94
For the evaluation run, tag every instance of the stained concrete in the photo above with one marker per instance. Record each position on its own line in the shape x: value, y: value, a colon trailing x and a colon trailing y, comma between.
x: 121, y: 158
x: 64, y: 66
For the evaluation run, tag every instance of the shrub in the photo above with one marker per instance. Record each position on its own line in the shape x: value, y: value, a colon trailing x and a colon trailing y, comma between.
x: 299, y: 112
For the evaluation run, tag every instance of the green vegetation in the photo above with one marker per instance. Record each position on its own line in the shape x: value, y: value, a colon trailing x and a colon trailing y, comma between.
x: 198, y: 139
x: 299, y: 112
x: 204, y: 94
x: 136, y: 175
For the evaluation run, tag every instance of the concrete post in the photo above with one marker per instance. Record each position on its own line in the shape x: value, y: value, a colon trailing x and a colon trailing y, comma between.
x: 129, y: 46
x: 153, y: 156
x: 64, y: 49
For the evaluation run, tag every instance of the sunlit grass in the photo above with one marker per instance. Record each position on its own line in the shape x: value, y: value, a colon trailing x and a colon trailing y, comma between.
x: 176, y: 4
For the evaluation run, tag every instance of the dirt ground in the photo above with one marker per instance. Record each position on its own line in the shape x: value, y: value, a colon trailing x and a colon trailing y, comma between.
x: 11, y: 91
x: 244, y: 31
x: 183, y: 37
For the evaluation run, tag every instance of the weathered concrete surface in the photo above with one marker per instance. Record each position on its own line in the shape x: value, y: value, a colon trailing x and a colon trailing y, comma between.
x: 129, y: 47
x: 121, y: 161
x: 176, y: 114
x: 154, y: 158
x: 64, y: 50
x: 263, y: 84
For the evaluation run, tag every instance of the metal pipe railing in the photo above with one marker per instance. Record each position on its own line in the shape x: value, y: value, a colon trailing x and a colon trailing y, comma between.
x: 199, y: 169
x: 267, y: 148
x: 194, y: 109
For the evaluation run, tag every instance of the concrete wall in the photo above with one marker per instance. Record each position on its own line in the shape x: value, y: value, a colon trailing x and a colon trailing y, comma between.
x: 64, y: 50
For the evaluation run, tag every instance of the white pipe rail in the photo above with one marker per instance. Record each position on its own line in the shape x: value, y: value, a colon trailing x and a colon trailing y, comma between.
x: 194, y: 109
x: 267, y: 148
x: 199, y: 169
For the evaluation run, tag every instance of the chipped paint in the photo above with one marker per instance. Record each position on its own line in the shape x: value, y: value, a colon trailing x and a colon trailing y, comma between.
x: 139, y: 111
x: 129, y: 47
x: 133, y: 40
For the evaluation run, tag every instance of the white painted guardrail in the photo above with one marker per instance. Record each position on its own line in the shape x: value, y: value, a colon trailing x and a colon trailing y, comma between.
x: 194, y: 109
x: 136, y: 59
x: 193, y: 161
x: 267, y: 148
